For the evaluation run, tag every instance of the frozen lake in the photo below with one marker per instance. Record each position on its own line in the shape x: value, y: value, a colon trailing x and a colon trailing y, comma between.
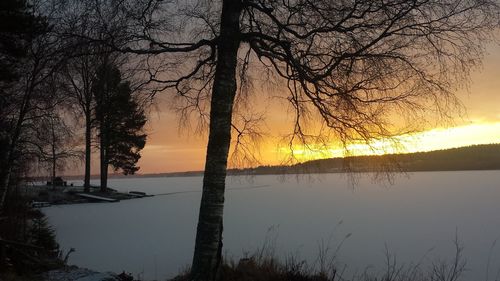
x: 416, y: 218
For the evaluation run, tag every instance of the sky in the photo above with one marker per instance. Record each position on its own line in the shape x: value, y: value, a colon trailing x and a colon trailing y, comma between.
x: 170, y: 149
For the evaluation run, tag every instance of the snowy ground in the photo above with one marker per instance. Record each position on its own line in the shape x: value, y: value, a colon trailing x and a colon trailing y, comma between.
x: 79, y: 274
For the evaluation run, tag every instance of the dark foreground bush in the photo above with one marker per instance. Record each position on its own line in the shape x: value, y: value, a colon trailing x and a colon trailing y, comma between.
x: 251, y: 269
x: 269, y: 268
x: 27, y: 242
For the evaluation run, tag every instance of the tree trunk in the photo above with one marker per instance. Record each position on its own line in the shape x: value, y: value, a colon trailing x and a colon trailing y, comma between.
x: 9, y: 161
x: 88, y: 144
x: 208, y: 247
x: 4, y: 184
x: 5, y: 174
x: 104, y: 162
x: 4, y: 156
x: 104, y: 176
x: 54, y: 156
x: 53, y: 173
x: 5, y: 170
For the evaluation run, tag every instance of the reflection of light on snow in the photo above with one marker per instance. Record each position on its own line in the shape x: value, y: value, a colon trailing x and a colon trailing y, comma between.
x: 435, y: 139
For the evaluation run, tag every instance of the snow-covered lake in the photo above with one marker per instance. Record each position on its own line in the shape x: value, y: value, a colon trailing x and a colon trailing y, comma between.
x: 416, y: 218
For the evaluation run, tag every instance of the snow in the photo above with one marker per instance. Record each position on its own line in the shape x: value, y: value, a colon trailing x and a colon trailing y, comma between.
x: 79, y: 274
x: 153, y: 237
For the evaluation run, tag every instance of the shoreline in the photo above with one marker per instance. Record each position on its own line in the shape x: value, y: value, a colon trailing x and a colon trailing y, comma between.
x: 45, y: 196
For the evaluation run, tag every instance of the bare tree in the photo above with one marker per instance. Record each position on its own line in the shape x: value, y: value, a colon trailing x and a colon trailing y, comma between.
x: 79, y: 73
x: 81, y: 67
x: 352, y: 70
x: 53, y: 143
x: 81, y: 20
x: 19, y: 27
x: 26, y: 100
x: 49, y: 136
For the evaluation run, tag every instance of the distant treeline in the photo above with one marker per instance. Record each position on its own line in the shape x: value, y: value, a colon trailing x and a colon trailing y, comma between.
x: 477, y: 157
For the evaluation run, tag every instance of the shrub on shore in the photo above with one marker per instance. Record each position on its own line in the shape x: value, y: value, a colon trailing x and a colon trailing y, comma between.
x: 27, y: 242
x: 270, y: 268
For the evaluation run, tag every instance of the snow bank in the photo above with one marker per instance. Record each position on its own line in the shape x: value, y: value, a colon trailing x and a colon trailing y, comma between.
x: 79, y: 274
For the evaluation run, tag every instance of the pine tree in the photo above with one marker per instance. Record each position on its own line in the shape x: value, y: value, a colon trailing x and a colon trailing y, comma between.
x: 41, y: 233
x: 120, y: 122
x: 17, y: 27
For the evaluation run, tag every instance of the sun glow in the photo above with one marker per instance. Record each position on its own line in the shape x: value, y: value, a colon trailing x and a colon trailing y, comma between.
x: 435, y: 139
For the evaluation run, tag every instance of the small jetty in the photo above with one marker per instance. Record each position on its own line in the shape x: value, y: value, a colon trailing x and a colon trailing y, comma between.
x: 42, y: 196
x: 97, y: 198
x: 37, y: 204
x: 139, y: 194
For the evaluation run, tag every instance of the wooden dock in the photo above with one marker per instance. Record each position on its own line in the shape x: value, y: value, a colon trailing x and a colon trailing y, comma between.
x: 37, y: 204
x: 98, y: 198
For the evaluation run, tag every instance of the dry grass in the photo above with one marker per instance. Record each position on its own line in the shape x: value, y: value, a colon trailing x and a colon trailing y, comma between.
x: 265, y: 266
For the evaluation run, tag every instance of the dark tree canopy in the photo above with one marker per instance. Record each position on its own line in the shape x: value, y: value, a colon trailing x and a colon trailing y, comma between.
x: 351, y: 65
x: 17, y: 27
x: 120, y: 120
x: 125, y: 138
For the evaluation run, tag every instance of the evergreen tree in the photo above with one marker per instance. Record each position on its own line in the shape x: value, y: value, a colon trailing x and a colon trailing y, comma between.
x: 120, y: 122
x: 17, y: 27
x: 41, y: 233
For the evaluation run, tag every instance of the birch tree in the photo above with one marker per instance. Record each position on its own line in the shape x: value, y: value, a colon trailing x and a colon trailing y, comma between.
x: 19, y: 31
x: 25, y: 99
x: 351, y: 69
x: 81, y: 67
x: 53, y: 143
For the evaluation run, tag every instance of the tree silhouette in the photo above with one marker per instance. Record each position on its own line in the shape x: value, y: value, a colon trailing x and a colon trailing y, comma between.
x: 350, y: 68
x: 19, y: 25
x: 81, y: 67
x: 79, y: 73
x: 120, y: 122
x: 28, y: 56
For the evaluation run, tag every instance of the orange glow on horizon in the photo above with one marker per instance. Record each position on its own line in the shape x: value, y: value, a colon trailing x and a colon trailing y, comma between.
x: 167, y: 158
x: 167, y: 150
x: 435, y: 139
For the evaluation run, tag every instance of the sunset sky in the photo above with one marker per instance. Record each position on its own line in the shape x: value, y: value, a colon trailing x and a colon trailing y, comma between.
x: 170, y: 150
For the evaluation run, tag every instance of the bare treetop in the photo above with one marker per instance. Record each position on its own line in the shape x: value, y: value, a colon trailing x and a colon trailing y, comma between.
x: 347, y: 65
x: 355, y: 61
